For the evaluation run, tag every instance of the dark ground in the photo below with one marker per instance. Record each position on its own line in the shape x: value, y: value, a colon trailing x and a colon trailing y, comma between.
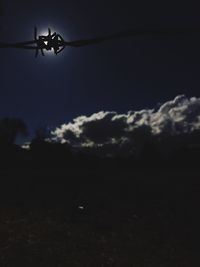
x: 100, y: 220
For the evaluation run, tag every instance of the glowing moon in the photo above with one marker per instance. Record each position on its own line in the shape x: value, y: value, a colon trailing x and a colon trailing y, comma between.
x: 45, y: 33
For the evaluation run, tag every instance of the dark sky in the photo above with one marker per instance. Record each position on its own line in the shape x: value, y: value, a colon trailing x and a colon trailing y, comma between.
x: 128, y: 74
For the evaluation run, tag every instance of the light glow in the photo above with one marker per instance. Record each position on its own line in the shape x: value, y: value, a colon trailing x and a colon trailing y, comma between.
x: 45, y: 33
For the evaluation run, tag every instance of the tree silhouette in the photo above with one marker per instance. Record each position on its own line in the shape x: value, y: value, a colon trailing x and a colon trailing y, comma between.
x: 10, y: 128
x: 46, y: 152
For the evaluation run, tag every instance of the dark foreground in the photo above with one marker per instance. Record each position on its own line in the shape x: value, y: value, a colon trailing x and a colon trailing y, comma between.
x: 151, y: 222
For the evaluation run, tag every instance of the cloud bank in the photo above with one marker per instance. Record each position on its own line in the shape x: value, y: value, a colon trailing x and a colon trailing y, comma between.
x: 109, y: 133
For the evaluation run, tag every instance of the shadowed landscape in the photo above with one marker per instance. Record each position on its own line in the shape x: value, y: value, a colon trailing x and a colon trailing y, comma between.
x: 62, y: 207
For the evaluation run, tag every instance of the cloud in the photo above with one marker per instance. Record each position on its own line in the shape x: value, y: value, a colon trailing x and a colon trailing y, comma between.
x: 110, y: 133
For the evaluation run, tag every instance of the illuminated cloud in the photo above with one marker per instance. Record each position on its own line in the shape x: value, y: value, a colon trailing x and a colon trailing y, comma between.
x: 111, y: 133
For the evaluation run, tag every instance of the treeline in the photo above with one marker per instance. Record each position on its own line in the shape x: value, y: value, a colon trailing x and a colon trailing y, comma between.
x: 179, y: 153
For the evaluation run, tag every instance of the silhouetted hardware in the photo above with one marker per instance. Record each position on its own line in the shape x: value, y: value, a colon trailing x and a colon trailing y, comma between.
x: 55, y: 42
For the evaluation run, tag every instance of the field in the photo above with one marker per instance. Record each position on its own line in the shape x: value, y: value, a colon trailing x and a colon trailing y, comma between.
x: 103, y: 224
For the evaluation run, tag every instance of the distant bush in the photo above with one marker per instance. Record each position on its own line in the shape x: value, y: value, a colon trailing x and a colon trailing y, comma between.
x: 10, y: 128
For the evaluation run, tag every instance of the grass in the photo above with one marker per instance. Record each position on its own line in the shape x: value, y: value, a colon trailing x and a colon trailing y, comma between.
x: 117, y: 237
x: 154, y: 223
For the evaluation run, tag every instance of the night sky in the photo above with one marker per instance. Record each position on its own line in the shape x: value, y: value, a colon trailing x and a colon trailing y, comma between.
x: 127, y: 74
